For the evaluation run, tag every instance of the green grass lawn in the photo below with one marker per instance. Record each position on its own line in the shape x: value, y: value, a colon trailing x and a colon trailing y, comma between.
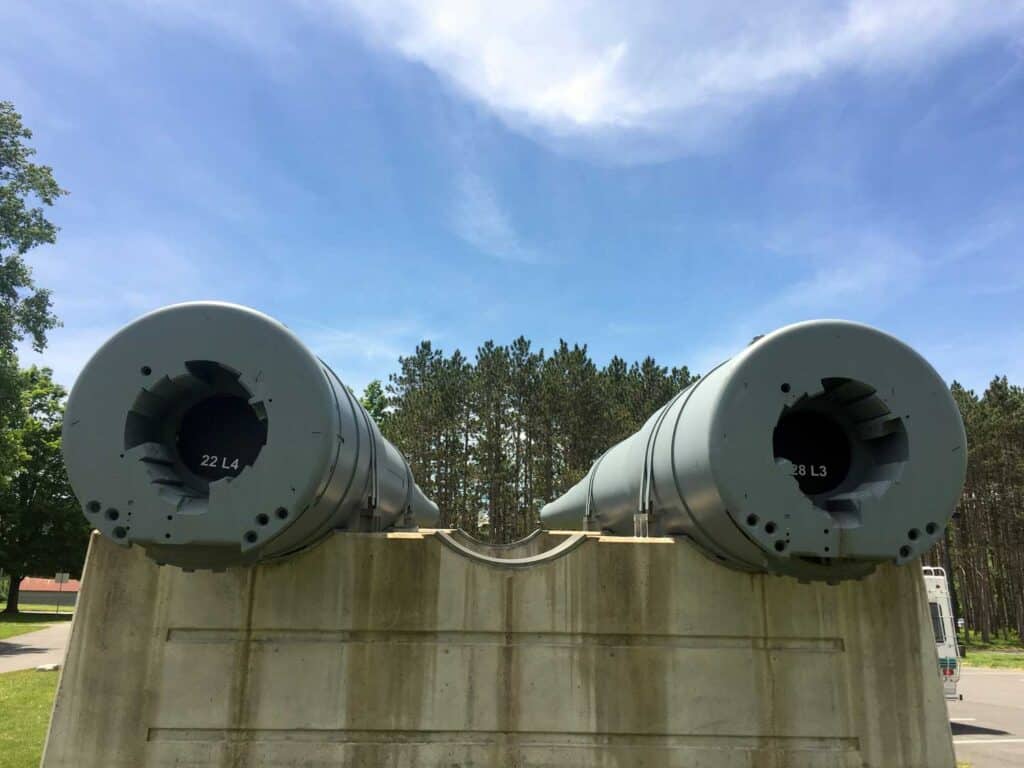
x: 28, y: 621
x: 995, y: 659
x: 1011, y: 642
x: 26, y: 699
x: 998, y: 653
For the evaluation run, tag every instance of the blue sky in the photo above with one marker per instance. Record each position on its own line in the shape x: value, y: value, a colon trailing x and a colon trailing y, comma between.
x: 644, y: 178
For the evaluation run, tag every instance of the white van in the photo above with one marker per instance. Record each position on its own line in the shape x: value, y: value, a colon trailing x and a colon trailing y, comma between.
x: 943, y: 625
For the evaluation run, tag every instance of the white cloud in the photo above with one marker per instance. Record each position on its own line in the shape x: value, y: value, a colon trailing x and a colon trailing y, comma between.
x: 858, y: 271
x: 259, y: 26
x: 367, y: 344
x: 133, y: 272
x: 630, y: 80
x: 362, y: 353
x: 102, y: 283
x: 576, y: 67
x: 642, y: 77
x: 997, y: 228
x: 479, y: 218
x: 67, y: 351
x: 855, y: 273
x: 974, y: 359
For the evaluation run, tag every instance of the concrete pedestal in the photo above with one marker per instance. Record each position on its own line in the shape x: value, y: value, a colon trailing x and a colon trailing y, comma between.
x: 396, y: 650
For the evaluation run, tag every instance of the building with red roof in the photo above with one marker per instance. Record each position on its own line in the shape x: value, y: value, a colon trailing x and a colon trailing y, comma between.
x: 36, y: 591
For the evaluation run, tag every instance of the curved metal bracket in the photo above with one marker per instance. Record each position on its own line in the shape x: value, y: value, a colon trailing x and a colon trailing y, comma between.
x: 459, y: 533
x: 513, y: 563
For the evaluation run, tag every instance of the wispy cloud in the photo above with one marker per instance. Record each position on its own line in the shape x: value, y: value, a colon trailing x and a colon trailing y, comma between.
x: 131, y: 271
x: 382, y: 343
x: 839, y: 273
x: 68, y: 350
x: 361, y: 353
x: 606, y: 74
x: 479, y: 218
x: 258, y: 25
x: 974, y: 359
x: 1003, y: 278
x: 845, y: 273
x: 873, y: 273
x: 996, y: 227
x: 359, y: 356
x: 101, y: 283
x: 632, y: 328
x: 655, y: 66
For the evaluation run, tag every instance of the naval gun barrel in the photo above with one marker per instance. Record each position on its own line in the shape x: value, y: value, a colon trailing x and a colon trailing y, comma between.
x: 820, y: 451
x: 211, y: 436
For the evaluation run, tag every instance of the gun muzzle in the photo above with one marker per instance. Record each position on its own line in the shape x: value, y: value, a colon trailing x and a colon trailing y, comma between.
x: 211, y: 436
x: 819, y: 451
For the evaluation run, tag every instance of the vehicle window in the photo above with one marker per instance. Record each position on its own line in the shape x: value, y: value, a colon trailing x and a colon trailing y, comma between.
x: 940, y: 631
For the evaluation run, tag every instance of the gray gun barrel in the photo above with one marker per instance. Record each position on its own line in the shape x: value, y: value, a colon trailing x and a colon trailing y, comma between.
x: 819, y: 451
x: 211, y: 436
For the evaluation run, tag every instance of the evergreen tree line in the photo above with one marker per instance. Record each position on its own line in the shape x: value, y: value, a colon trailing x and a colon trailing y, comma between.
x: 494, y: 438
x: 984, y: 545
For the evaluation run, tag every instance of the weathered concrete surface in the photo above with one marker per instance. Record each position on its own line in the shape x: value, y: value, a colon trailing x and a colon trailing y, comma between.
x: 372, y: 650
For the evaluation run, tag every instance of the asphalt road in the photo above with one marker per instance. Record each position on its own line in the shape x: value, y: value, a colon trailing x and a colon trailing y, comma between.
x: 47, y: 646
x: 988, y: 725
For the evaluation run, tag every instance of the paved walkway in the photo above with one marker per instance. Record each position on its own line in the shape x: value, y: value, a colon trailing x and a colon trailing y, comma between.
x: 47, y: 646
x: 988, y: 725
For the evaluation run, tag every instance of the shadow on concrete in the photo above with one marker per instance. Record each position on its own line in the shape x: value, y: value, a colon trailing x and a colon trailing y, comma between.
x: 966, y: 729
x: 16, y: 649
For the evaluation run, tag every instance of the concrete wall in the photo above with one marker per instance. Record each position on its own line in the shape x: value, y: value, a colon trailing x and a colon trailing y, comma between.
x: 378, y: 650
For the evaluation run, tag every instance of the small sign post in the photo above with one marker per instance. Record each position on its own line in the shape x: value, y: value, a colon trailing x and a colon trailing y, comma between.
x: 61, y: 579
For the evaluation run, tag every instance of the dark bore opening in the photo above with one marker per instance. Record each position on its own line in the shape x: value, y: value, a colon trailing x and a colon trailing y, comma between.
x: 817, y: 447
x: 220, y: 436
x: 842, y: 445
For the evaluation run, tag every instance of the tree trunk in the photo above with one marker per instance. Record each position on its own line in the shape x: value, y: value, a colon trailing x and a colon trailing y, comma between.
x: 947, y: 551
x: 13, y: 594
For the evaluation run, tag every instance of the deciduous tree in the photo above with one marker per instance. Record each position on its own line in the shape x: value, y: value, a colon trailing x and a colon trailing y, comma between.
x: 42, y: 530
x: 25, y: 309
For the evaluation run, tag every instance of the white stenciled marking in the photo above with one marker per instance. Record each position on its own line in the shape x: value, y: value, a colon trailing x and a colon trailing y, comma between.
x: 810, y: 470
x: 218, y: 462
